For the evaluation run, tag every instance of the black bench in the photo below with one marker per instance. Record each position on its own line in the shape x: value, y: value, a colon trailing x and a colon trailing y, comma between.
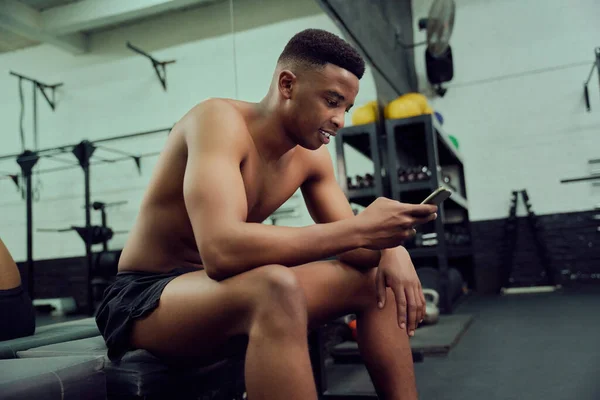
x: 141, y: 375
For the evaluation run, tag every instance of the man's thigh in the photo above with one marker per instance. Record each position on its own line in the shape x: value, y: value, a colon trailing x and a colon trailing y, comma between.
x: 201, y: 318
x: 196, y: 318
x: 334, y: 289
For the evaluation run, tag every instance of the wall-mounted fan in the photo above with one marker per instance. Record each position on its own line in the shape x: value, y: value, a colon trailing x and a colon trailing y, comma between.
x: 438, y: 56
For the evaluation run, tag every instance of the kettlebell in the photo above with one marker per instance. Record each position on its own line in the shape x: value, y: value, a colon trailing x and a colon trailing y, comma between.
x: 432, y: 312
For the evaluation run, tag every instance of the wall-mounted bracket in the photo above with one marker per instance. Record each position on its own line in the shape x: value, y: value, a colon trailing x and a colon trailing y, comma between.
x: 42, y: 88
x: 586, y: 93
x: 159, y: 66
x: 37, y: 86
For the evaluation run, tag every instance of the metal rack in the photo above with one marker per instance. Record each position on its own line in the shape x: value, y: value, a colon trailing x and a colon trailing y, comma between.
x: 403, y: 143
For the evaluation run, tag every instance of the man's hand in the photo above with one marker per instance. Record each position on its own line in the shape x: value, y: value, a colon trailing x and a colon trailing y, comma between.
x: 388, y: 223
x: 397, y: 271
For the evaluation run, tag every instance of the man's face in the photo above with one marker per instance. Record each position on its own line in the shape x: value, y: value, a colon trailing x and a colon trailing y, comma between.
x: 319, y: 100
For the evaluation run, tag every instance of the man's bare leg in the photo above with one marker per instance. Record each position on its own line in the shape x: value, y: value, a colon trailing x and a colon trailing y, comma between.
x: 386, y: 351
x: 196, y: 316
x: 334, y: 289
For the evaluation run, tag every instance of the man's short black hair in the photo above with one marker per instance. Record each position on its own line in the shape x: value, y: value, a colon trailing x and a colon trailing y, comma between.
x: 319, y: 47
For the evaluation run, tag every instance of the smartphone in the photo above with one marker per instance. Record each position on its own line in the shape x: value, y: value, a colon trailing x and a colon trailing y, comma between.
x: 438, y: 196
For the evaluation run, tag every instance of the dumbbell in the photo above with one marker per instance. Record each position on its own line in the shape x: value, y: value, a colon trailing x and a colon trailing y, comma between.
x: 370, y: 180
x: 423, y: 174
x: 360, y: 181
x: 401, y: 175
x: 349, y: 183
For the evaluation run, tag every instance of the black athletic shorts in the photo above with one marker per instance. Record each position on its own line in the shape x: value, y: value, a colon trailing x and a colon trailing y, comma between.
x: 16, y: 313
x: 132, y: 295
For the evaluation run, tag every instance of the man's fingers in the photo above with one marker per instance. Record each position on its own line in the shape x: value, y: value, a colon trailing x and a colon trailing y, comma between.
x: 420, y: 306
x: 400, y: 305
x: 380, y: 288
x: 422, y: 210
x: 424, y: 220
x: 411, y: 305
x: 424, y: 302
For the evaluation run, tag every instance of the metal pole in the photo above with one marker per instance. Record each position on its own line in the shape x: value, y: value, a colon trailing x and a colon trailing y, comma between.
x: 83, y: 151
x: 598, y: 63
x: 104, y: 225
x: 88, y: 234
x: 35, y: 122
x: 26, y: 161
x: 29, y: 214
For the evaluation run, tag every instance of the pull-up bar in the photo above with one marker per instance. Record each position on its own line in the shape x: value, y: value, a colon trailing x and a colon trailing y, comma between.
x: 83, y: 151
x: 67, y: 148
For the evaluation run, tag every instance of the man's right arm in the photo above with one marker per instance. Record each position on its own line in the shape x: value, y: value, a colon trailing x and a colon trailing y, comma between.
x: 215, y: 199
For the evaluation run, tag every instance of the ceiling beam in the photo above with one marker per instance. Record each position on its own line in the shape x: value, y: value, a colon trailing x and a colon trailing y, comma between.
x: 27, y: 22
x: 89, y: 14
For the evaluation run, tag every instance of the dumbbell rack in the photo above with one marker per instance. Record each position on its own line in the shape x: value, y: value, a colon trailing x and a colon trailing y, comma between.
x: 365, y: 139
x: 401, y: 143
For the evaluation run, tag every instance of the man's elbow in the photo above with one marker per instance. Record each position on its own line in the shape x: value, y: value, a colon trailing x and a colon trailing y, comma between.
x: 215, y: 264
x: 217, y: 260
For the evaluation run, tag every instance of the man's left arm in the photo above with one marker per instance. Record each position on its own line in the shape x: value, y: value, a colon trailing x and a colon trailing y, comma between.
x: 326, y: 202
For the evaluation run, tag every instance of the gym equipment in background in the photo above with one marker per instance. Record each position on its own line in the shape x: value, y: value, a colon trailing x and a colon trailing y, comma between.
x: 594, y: 174
x: 105, y: 265
x: 408, y: 105
x: 365, y: 114
x: 432, y: 312
x: 83, y: 152
x: 510, y: 241
x: 360, y: 182
x: 429, y: 277
x: 412, y: 174
x: 596, y: 65
x: 438, y: 56
x: 28, y: 159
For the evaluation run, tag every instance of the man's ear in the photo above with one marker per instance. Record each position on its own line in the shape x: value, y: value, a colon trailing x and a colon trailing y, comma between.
x: 286, y: 82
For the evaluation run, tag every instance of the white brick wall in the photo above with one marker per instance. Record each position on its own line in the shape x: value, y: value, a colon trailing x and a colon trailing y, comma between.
x: 516, y: 100
x: 113, y: 91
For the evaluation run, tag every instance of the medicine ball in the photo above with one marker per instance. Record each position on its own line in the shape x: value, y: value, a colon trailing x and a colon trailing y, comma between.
x: 402, y: 108
x: 429, y: 277
x: 366, y: 114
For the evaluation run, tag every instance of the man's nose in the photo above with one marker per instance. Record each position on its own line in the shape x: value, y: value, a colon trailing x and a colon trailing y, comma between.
x: 338, y: 121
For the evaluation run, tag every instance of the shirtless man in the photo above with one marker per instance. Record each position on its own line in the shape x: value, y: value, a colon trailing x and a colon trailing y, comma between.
x: 200, y: 269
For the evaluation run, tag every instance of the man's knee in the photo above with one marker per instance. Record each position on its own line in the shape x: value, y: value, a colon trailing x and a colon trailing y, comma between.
x: 279, y: 279
x: 368, y: 288
x: 279, y: 296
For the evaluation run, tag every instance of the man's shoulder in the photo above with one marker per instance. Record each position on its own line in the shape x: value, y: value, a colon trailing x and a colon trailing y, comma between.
x: 215, y: 110
x: 215, y: 119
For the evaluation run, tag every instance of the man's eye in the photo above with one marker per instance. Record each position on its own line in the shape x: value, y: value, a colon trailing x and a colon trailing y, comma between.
x: 332, y: 103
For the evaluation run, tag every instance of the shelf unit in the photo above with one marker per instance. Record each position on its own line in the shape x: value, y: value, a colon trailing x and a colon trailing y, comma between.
x: 364, y: 139
x: 408, y: 143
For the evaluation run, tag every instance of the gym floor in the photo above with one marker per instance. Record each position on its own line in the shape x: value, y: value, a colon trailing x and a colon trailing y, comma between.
x: 527, y: 346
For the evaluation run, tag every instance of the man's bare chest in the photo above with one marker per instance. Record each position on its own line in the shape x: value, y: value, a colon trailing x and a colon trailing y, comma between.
x: 268, y: 187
